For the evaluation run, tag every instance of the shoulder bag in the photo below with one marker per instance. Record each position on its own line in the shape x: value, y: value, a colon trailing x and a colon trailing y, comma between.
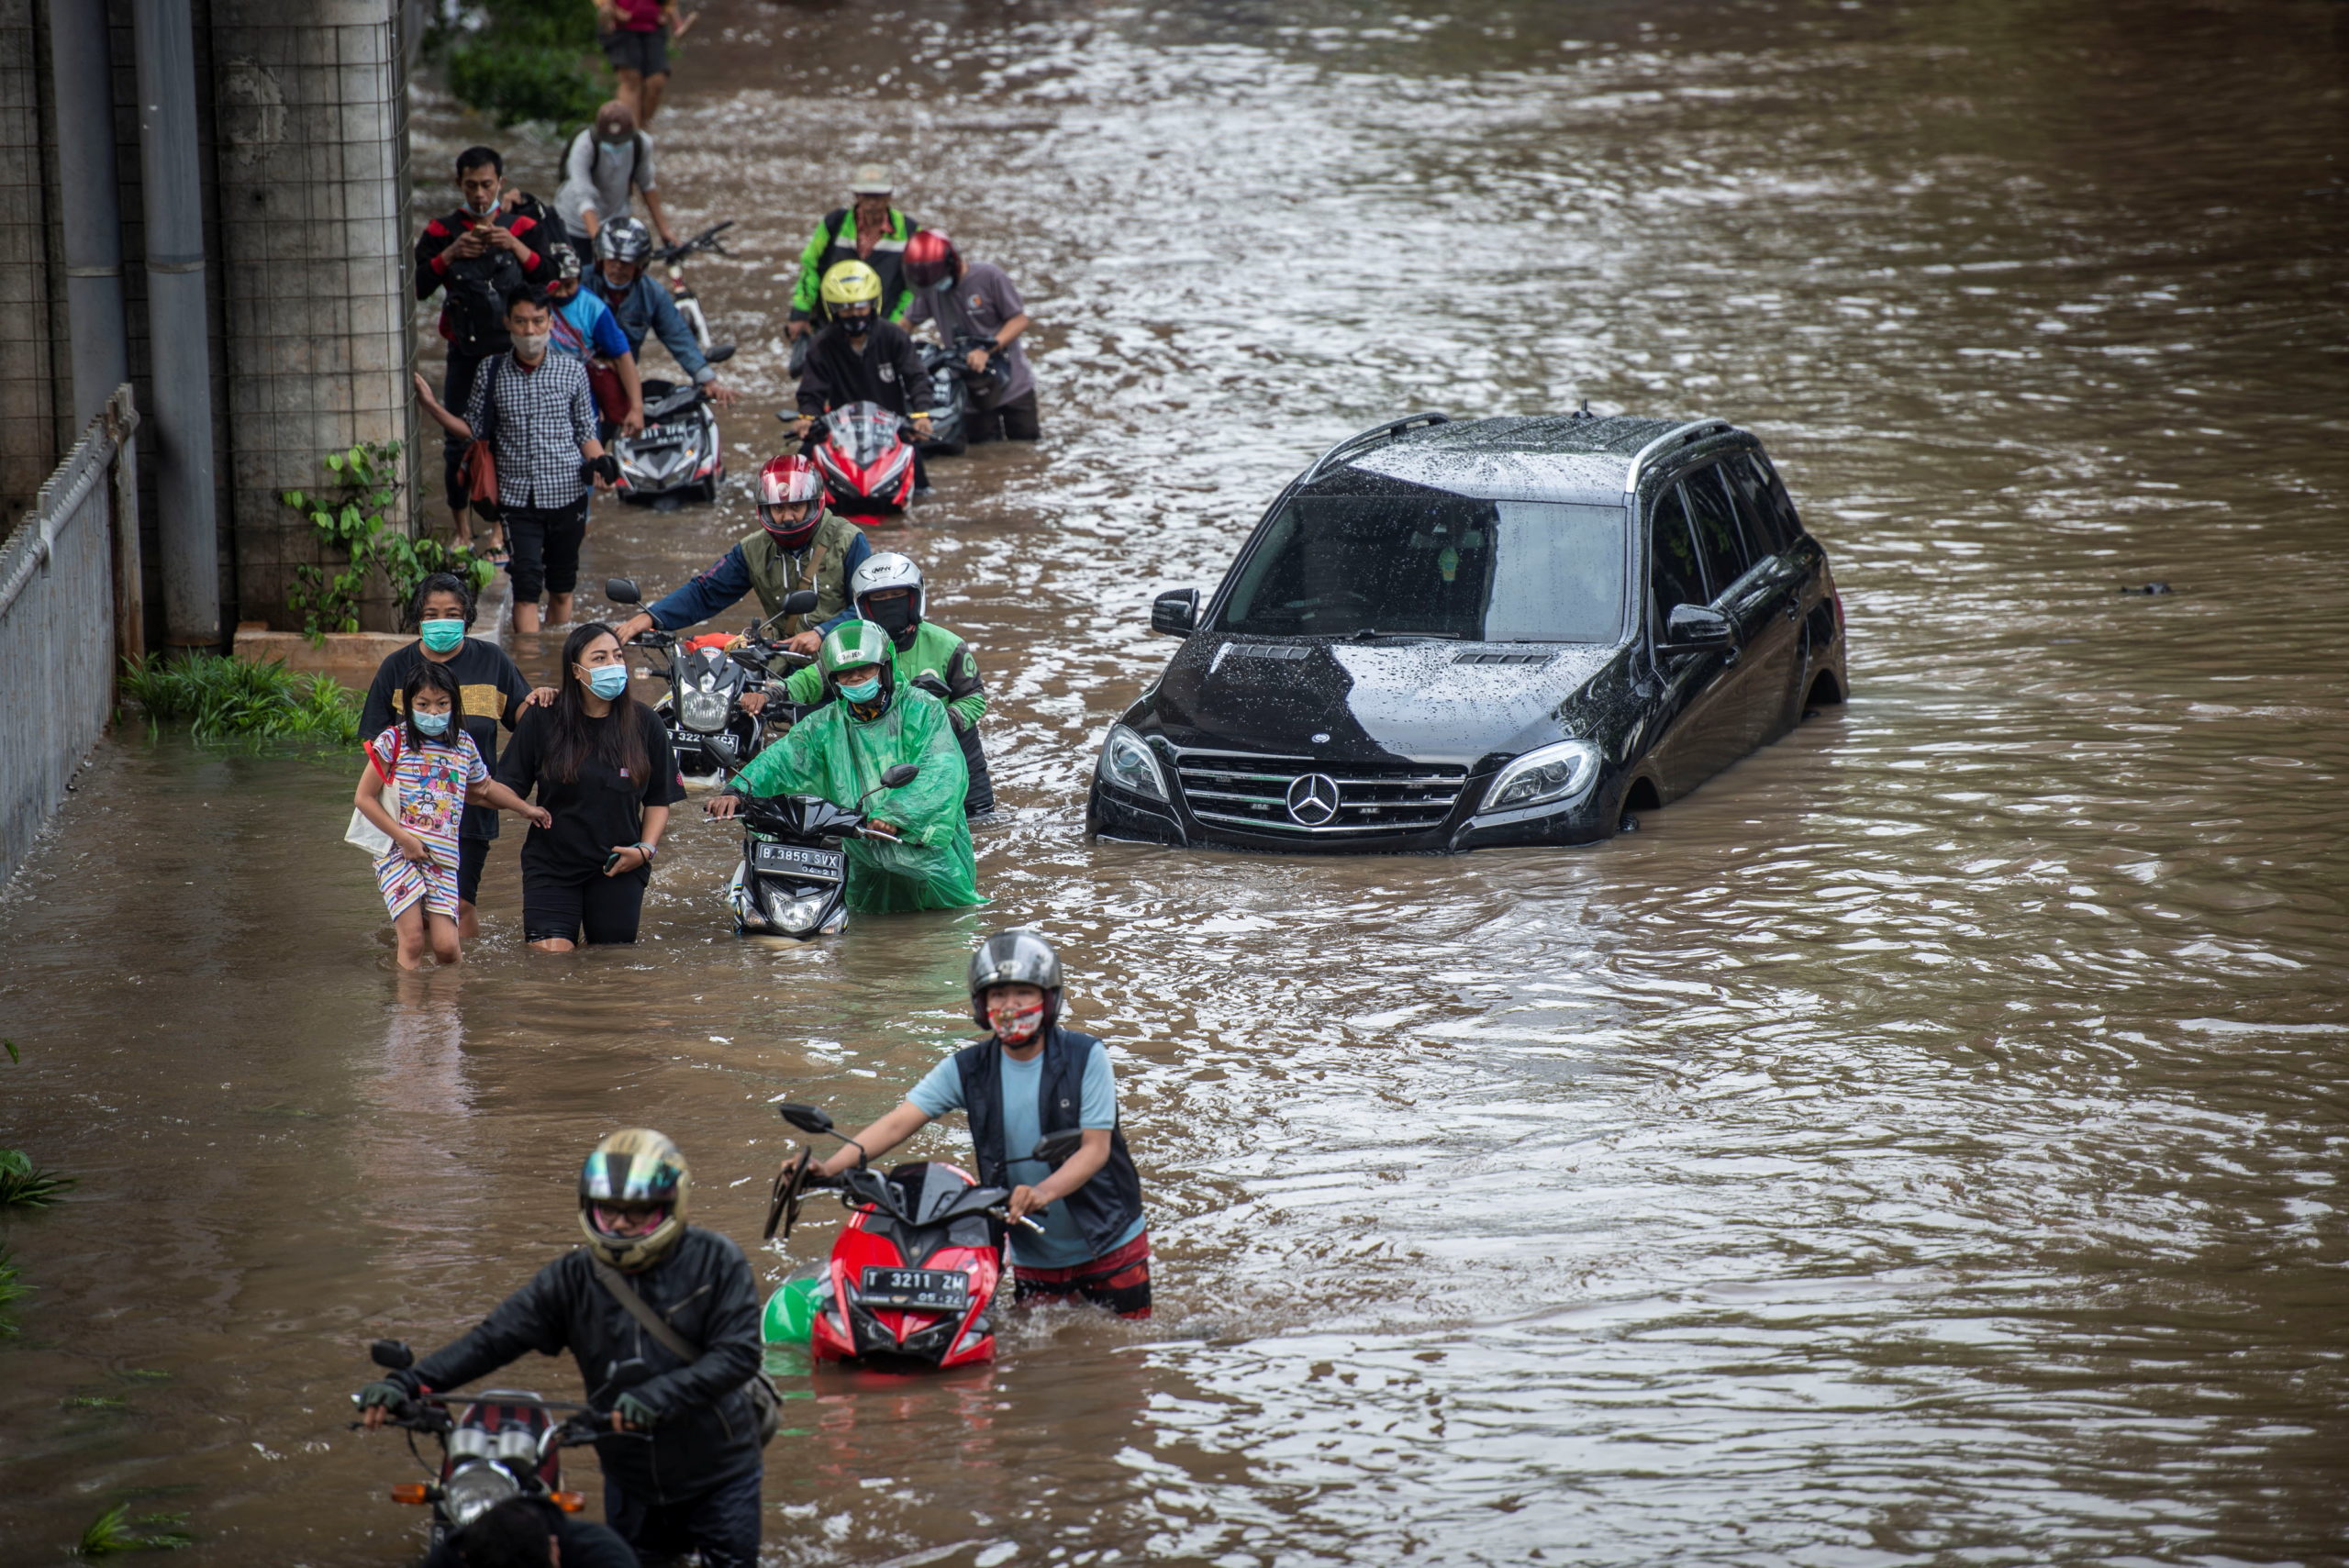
x: 363, y: 833
x: 481, y: 456
x: 766, y: 1404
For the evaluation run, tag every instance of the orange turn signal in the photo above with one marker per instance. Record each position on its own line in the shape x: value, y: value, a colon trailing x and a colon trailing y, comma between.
x: 569, y: 1502
x: 412, y: 1492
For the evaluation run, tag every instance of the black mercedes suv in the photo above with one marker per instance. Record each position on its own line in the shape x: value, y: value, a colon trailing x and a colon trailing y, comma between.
x: 1448, y: 634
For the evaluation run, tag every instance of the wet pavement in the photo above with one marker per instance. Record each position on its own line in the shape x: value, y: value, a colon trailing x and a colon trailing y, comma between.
x: 1921, y: 1144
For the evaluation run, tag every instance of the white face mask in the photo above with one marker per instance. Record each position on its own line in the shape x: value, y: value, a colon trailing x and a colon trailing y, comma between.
x: 532, y: 345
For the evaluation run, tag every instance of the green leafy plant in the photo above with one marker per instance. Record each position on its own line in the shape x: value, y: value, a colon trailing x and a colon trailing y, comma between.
x: 115, y: 1532
x: 12, y: 1289
x: 523, y: 60
x: 23, y: 1185
x: 225, y: 698
x: 349, y: 516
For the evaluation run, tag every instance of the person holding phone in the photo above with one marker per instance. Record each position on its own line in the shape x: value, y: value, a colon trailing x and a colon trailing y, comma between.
x: 601, y: 763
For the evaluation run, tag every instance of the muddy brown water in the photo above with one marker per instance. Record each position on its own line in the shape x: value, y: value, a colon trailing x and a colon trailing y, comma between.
x: 1922, y: 1144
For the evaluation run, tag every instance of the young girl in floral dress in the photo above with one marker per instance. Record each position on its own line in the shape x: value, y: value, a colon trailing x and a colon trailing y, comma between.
x: 434, y: 769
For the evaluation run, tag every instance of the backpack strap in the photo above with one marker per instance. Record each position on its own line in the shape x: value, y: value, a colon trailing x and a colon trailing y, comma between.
x: 615, y: 1285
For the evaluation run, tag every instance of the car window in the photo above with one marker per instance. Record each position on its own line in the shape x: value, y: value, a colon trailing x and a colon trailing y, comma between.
x: 1677, y: 579
x: 1425, y: 562
x: 1773, y: 493
x: 1719, y: 544
x: 1758, y: 513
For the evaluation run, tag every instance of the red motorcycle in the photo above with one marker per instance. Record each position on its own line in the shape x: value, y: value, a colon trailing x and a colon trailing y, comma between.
x: 912, y: 1278
x: 866, y: 456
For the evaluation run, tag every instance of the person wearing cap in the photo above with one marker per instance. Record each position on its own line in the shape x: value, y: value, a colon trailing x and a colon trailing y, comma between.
x: 1030, y: 1077
x: 869, y: 230
x: 605, y: 161
x: 977, y: 309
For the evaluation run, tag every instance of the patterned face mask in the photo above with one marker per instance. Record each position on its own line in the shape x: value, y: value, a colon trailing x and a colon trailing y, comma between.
x: 1016, y: 1023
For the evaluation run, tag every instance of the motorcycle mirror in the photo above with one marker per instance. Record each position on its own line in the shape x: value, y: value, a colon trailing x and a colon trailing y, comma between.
x: 932, y: 685
x: 899, y: 776
x: 806, y: 1119
x: 392, y: 1356
x: 1058, y: 1145
x: 622, y: 591
x: 800, y: 603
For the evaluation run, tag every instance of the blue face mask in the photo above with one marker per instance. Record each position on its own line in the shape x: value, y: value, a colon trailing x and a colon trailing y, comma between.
x: 863, y: 692
x: 607, y: 681
x: 432, y: 723
x: 441, y: 636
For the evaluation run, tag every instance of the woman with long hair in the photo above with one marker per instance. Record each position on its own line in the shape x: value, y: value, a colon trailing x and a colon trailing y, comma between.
x: 601, y: 764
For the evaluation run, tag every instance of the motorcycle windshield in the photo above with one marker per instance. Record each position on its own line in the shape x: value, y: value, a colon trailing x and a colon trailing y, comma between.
x: 864, y: 431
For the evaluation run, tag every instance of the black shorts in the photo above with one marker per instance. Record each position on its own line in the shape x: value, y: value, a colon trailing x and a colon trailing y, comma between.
x: 473, y: 855
x: 1014, y: 421
x: 544, y: 549
x: 564, y: 907
x: 646, y: 53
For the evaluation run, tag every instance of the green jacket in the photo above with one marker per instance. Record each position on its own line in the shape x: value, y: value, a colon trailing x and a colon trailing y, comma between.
x: 830, y: 753
x: 936, y: 651
x: 833, y: 242
x: 823, y: 565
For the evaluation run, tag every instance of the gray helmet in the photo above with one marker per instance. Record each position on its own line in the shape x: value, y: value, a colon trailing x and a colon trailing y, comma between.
x: 1017, y: 957
x: 624, y: 240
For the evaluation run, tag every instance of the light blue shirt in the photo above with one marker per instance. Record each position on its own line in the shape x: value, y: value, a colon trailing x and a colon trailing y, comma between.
x: 1062, y: 1246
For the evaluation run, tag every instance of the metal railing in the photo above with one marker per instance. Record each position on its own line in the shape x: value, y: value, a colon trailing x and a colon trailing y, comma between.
x: 69, y: 613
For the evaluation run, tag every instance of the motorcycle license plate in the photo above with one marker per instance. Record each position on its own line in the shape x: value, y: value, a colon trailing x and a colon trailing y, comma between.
x: 794, y: 860
x: 915, y: 1290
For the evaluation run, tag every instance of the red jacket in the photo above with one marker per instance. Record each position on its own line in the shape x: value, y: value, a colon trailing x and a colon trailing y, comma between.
x: 474, y: 318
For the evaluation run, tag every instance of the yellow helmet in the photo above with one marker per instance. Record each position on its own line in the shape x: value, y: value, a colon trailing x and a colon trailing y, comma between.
x: 852, y: 283
x: 637, y: 1168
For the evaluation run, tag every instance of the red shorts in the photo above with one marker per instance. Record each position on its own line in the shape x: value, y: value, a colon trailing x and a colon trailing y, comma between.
x: 1119, y: 1281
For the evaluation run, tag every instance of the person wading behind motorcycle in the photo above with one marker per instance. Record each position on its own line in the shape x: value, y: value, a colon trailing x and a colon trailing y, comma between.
x: 840, y: 752
x: 978, y: 310
x: 887, y: 591
x: 798, y: 545
x: 1030, y: 1077
x: 640, y: 304
x: 682, y: 1467
x: 860, y: 357
x: 873, y: 232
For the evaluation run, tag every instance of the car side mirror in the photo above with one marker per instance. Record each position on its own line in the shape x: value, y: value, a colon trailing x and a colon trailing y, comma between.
x: 392, y: 1356
x: 899, y: 776
x: 622, y: 591
x: 1696, y: 629
x: 1058, y: 1145
x: 800, y: 603
x: 1175, y: 614
x: 806, y: 1119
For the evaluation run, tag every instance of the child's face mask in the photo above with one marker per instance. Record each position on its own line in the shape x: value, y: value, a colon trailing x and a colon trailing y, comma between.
x: 432, y: 723
x: 1016, y: 1023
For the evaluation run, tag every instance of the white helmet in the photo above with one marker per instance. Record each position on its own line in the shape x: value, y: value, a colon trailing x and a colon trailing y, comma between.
x: 886, y: 570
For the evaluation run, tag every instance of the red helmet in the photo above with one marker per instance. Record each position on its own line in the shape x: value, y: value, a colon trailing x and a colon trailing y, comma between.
x: 791, y: 498
x: 930, y: 257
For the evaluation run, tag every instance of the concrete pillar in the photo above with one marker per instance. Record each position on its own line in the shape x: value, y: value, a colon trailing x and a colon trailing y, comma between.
x: 80, y: 70
x: 180, y: 359
x: 310, y: 107
x: 29, y: 444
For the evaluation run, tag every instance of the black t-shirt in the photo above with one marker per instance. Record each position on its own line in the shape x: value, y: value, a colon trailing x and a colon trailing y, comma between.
x: 493, y: 688
x: 599, y: 810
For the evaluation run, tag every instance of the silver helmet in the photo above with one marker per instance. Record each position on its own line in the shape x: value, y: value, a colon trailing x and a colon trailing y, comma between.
x: 624, y: 240
x: 878, y: 574
x: 1017, y: 957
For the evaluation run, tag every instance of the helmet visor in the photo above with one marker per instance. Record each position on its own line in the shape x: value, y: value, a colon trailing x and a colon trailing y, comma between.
x: 625, y: 1221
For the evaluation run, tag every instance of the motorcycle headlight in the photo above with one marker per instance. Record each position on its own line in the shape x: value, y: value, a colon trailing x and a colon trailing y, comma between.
x: 705, y: 711
x: 474, y: 1490
x: 795, y: 916
x: 1127, y: 762
x: 1555, y: 774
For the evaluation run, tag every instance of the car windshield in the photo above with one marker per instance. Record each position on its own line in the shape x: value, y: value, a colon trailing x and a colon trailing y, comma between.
x: 1432, y: 565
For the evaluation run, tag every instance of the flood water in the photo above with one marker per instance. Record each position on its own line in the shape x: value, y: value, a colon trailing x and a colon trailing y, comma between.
x: 1921, y: 1144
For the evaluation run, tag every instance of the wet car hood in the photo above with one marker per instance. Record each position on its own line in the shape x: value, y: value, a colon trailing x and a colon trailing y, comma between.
x: 1417, y: 700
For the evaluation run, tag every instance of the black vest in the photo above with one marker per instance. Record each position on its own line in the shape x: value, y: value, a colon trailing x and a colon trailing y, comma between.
x: 1104, y: 1206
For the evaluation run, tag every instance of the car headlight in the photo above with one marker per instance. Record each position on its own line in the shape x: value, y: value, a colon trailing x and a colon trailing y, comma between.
x: 703, y: 711
x: 1555, y: 774
x: 1126, y: 762
x: 796, y: 915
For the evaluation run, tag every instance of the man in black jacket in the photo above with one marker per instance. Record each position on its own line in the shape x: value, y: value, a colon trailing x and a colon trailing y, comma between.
x: 681, y: 1468
x: 860, y: 357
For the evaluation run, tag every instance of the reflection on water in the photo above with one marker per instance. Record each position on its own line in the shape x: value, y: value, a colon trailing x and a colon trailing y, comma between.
x: 1921, y: 1143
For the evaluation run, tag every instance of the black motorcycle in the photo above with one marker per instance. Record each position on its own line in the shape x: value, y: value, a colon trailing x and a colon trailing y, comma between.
x: 677, y: 457
x: 708, y: 676
x: 957, y: 391
x: 505, y: 1443
x: 793, y: 873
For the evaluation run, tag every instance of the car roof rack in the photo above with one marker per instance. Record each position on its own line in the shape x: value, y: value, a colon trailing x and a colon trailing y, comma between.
x: 1387, y: 431
x: 1678, y: 436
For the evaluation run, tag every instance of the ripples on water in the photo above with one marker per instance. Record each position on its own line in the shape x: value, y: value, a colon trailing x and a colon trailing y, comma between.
x: 1921, y: 1143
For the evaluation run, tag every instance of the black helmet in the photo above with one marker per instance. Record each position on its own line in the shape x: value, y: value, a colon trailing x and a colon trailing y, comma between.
x: 624, y: 240
x: 1017, y: 957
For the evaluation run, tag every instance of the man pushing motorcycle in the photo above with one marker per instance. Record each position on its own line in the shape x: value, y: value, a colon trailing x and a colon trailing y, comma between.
x: 798, y: 544
x: 663, y: 1318
x: 917, y: 851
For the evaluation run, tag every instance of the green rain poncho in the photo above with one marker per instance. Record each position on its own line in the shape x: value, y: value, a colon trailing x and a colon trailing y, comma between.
x: 831, y: 754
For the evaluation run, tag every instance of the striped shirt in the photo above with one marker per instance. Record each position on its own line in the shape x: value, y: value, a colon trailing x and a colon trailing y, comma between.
x: 545, y: 416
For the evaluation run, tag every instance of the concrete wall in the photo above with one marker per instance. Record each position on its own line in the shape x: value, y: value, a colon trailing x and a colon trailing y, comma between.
x: 32, y: 380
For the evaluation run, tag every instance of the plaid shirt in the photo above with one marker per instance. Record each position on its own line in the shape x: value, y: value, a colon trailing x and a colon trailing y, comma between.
x: 544, y: 417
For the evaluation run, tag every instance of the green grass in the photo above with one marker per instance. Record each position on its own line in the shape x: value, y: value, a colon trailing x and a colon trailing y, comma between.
x: 226, y: 699
x: 115, y: 1532
x: 23, y: 1185
x: 12, y: 1289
